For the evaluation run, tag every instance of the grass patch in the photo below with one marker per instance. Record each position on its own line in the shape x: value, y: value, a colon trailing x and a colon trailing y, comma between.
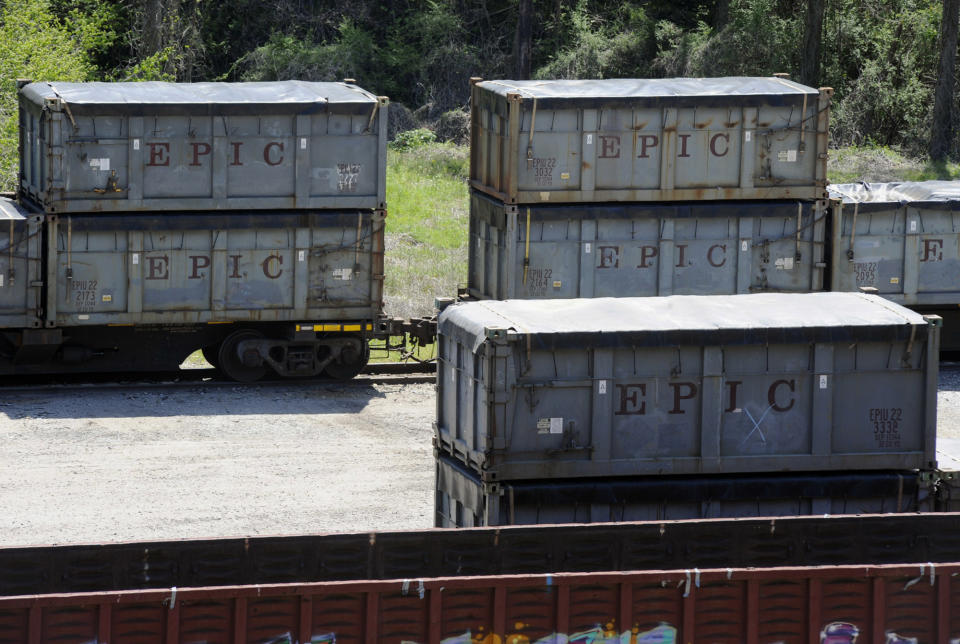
x: 427, y: 227
x: 878, y: 164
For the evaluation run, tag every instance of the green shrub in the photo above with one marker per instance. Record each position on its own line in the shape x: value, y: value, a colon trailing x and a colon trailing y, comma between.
x: 412, y: 139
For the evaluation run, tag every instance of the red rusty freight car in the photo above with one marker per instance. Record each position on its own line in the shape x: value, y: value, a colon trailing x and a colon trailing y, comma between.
x: 797, y: 580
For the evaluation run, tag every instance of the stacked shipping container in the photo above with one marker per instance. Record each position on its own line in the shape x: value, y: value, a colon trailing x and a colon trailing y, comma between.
x: 246, y: 218
x: 620, y: 188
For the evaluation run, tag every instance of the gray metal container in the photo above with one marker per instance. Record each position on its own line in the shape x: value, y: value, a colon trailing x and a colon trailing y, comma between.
x: 901, y: 238
x: 686, y: 384
x: 120, y: 147
x: 21, y: 268
x: 618, y: 250
x: 212, y: 268
x: 463, y: 500
x: 649, y: 140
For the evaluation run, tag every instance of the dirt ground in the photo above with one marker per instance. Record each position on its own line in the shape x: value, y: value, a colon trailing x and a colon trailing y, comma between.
x: 93, y: 464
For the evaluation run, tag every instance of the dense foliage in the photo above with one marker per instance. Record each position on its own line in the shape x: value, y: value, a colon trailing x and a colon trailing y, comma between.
x: 880, y: 55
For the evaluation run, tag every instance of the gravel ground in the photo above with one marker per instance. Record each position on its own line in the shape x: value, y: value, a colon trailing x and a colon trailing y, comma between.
x: 138, y: 464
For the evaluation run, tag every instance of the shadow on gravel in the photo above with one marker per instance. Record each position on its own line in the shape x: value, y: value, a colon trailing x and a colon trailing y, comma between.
x: 204, y: 399
x: 949, y: 379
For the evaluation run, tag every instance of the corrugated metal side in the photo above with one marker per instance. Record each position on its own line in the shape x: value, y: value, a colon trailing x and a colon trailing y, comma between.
x: 655, y: 545
x: 514, y: 409
x: 463, y: 500
x: 21, y: 269
x: 622, y: 152
x: 838, y: 605
x: 614, y: 250
x: 332, y: 158
x: 908, y: 251
x: 182, y: 269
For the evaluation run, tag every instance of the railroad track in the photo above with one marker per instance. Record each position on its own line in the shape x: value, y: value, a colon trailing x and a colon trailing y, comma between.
x: 405, y: 373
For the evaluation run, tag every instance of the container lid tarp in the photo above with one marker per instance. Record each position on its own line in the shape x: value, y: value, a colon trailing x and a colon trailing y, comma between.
x: 685, y: 319
x: 9, y: 209
x: 298, y: 97
x: 912, y: 192
x: 734, y: 90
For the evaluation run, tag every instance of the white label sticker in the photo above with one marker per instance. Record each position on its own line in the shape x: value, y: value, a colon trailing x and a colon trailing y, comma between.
x: 565, y: 176
x: 106, y: 297
x: 557, y: 284
x: 301, y: 255
x: 94, y: 163
x: 823, y: 382
x: 105, y: 164
x: 136, y: 258
x: 589, y: 139
x: 586, y: 248
x: 894, y: 280
x: 602, y: 387
x: 913, y: 225
x: 343, y: 273
x: 787, y: 156
x: 83, y: 316
x: 545, y: 196
x: 1, y: 280
x: 747, y: 135
x: 303, y: 143
x: 136, y: 144
x: 784, y: 264
x: 744, y: 245
x: 556, y: 425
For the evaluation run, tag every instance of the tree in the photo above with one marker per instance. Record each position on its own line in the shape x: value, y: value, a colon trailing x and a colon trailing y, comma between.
x: 941, y: 132
x: 812, y: 35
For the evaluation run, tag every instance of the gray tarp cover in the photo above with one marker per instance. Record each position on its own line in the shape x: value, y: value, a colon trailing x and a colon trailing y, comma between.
x: 162, y: 93
x: 896, y: 192
x: 662, y: 317
x: 10, y: 210
x: 649, y: 88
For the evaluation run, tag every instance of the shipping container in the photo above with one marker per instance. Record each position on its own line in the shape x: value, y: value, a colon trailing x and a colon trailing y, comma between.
x: 157, y: 146
x: 541, y: 389
x: 546, y: 584
x: 464, y: 500
x: 674, y: 139
x: 21, y: 268
x: 899, y: 238
x: 638, y: 249
x: 214, y: 267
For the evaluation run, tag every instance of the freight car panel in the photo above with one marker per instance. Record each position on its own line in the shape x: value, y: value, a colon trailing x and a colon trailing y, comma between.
x: 20, y: 266
x: 201, y: 268
x: 626, y: 250
x: 120, y: 147
x: 899, y: 238
x: 672, y: 139
x: 526, y: 596
x: 686, y: 384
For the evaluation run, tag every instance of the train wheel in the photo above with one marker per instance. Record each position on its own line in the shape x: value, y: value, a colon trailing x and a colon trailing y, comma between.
x: 349, y: 363
x: 246, y: 368
x: 212, y: 355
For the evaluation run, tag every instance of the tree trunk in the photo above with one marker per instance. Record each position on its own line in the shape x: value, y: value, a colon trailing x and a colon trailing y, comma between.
x: 524, y: 41
x: 812, y: 35
x: 721, y: 15
x: 941, y: 133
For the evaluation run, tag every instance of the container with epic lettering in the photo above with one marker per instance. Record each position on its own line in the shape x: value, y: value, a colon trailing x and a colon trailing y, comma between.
x: 900, y: 238
x: 155, y: 146
x: 639, y: 249
x: 21, y: 270
x: 670, y: 139
x: 545, y: 389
